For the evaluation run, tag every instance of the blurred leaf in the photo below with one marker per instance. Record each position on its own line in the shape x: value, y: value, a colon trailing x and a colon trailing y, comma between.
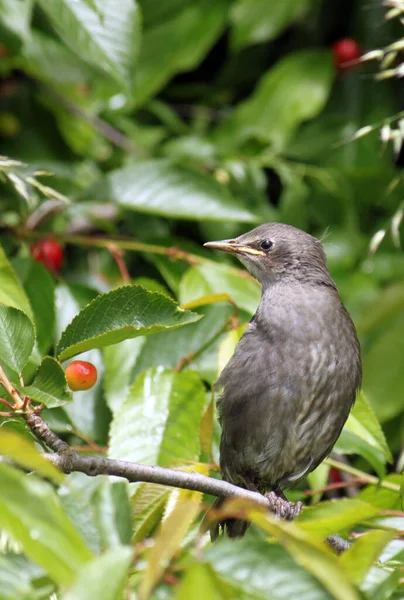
x: 220, y: 279
x: 388, y: 304
x: 159, y: 420
x: 381, y: 581
x: 382, y: 497
x: 334, y: 516
x: 257, y: 569
x: 206, y: 428
x: 11, y: 291
x: 293, y: 91
x: 199, y: 583
x: 383, y: 381
x: 40, y: 289
x: 23, y: 452
x: 228, y: 346
x: 358, y: 559
x: 103, y: 36
x: 49, y: 386
x: 119, y: 361
x: 313, y: 555
x: 17, y: 579
x: 104, y: 577
x: 256, y: 21
x: 124, y: 313
x: 148, y: 503
x: 17, y: 337
x: 30, y: 512
x: 177, y: 42
x: 112, y: 509
x: 363, y: 422
x: 16, y: 16
x: 351, y: 443
x: 162, y: 188
x: 184, y: 506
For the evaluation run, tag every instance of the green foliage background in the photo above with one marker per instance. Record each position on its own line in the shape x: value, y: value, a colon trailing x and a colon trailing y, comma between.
x: 166, y: 124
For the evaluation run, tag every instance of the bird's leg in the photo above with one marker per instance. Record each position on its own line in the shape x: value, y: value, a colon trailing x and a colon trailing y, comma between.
x: 281, y: 507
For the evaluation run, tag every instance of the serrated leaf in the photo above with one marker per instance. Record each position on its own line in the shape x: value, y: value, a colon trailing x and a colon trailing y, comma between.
x: 358, y: 559
x: 351, y: 443
x: 159, y: 420
x: 31, y: 513
x: 119, y: 361
x: 103, y: 36
x: 218, y: 279
x: 11, y: 291
x: 104, y: 577
x: 184, y: 507
x: 332, y: 517
x: 23, y: 452
x: 124, y: 313
x: 160, y: 187
x: 17, y: 337
x: 49, y: 386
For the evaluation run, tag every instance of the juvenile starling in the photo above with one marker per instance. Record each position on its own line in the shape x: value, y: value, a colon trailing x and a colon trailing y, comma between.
x: 288, y: 389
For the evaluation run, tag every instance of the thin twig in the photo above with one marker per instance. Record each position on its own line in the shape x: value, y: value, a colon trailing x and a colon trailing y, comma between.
x: 336, y: 486
x: 11, y: 391
x: 368, y: 478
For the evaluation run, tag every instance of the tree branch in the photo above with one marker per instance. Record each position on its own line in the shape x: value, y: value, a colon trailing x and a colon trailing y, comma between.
x: 68, y: 460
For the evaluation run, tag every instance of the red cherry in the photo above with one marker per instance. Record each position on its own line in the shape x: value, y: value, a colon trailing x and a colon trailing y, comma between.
x: 345, y: 51
x: 81, y: 375
x: 48, y: 252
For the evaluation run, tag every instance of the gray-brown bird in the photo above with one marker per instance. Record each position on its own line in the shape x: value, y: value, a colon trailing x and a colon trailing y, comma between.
x: 288, y: 389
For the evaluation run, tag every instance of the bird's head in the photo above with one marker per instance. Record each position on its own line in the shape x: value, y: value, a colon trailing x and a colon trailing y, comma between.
x: 275, y: 250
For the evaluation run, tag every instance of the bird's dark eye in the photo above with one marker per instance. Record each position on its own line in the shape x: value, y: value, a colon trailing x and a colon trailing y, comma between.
x: 266, y: 245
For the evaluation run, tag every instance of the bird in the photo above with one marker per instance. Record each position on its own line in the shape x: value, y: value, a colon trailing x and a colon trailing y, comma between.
x: 289, y: 387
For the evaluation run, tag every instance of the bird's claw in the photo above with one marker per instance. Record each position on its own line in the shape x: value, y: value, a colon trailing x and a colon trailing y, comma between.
x: 283, y: 508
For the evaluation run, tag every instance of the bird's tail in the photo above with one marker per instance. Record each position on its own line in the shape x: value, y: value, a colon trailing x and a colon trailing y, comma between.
x: 232, y: 527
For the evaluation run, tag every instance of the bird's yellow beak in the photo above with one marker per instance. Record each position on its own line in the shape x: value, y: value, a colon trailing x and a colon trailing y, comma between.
x: 234, y: 247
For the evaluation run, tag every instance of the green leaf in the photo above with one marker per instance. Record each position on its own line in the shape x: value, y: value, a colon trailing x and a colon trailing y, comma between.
x: 23, y: 452
x: 159, y: 420
x: 199, y: 583
x: 184, y: 505
x: 119, y: 361
x: 148, y: 503
x: 182, y: 346
x: 217, y: 279
x: 363, y: 422
x: 112, y: 509
x: 17, y: 337
x: 31, y: 514
x: 104, y: 577
x: 358, y: 559
x: 293, y: 91
x: 254, y: 568
x: 40, y: 288
x: 177, y: 41
x: 334, y: 516
x: 124, y: 313
x: 105, y: 37
x: 256, y: 21
x: 351, y: 443
x: 159, y: 187
x: 49, y: 386
x: 11, y: 291
x: 383, y: 381
x: 16, y: 16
